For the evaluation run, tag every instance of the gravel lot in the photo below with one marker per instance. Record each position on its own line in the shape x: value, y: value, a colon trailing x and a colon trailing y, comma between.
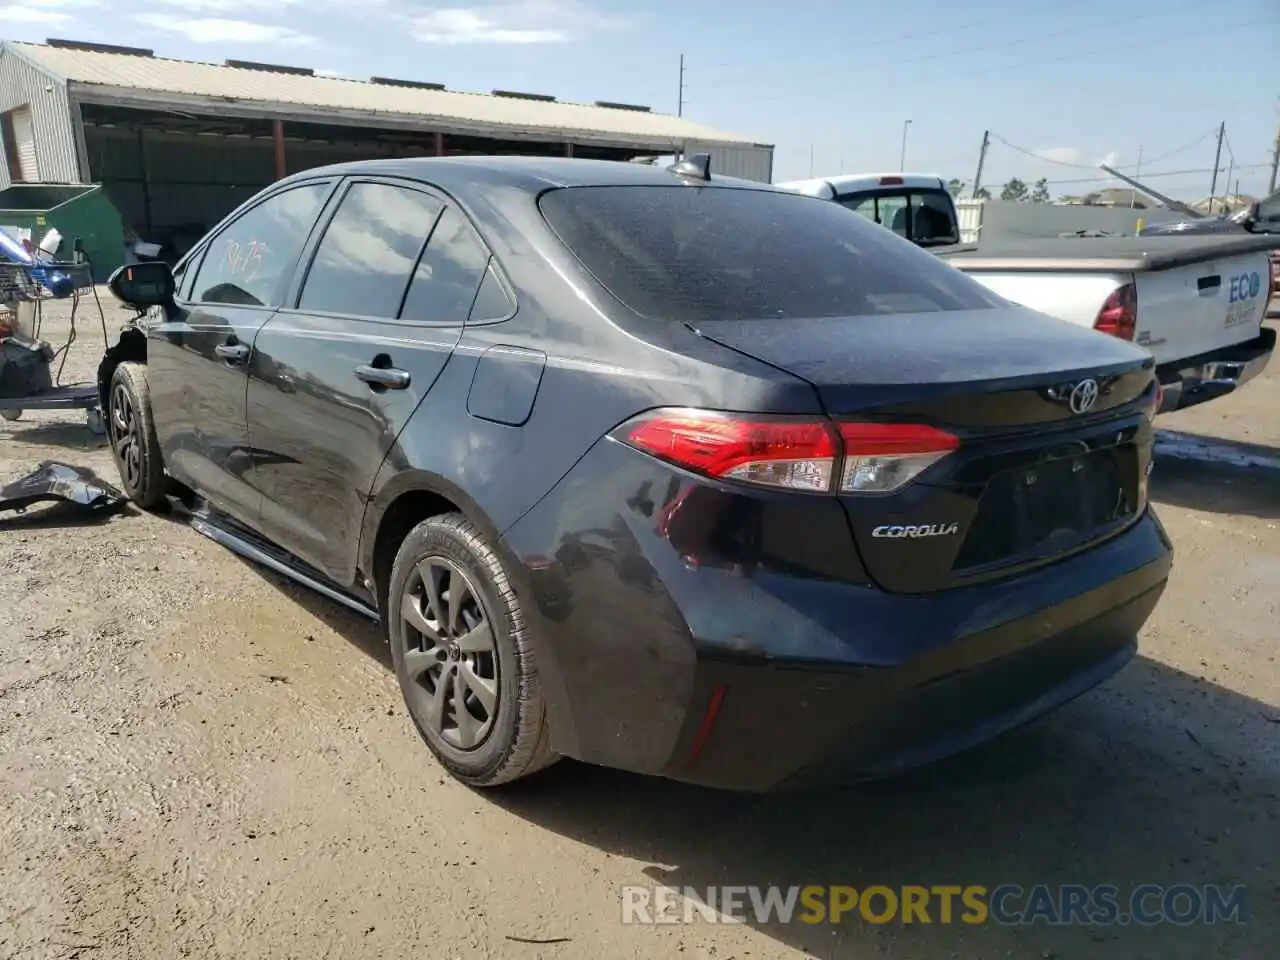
x: 199, y: 759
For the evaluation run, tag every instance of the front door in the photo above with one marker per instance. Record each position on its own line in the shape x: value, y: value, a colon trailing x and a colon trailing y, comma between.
x: 199, y: 356
x: 337, y: 376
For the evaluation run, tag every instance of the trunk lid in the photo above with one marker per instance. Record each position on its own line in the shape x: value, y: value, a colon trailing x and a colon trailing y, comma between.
x: 1034, y: 477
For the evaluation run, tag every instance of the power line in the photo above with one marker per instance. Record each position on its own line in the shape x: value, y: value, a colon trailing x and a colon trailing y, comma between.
x: 952, y: 75
x: 1089, y: 166
x: 1040, y: 157
x: 869, y: 66
x: 1183, y: 149
x: 913, y: 35
x: 1161, y: 173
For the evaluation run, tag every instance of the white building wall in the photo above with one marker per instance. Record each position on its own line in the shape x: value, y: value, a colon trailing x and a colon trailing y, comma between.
x: 23, y: 84
x: 748, y: 161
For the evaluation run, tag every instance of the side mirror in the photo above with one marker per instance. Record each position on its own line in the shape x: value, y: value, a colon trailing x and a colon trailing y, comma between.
x: 142, y: 285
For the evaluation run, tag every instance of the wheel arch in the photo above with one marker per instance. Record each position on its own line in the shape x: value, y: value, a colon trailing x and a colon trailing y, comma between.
x: 130, y: 348
x: 404, y: 501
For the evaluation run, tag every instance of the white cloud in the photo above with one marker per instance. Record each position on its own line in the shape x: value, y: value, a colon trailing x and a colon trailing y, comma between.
x: 218, y: 6
x: 23, y: 13
x: 218, y: 30
x: 520, y: 22
x: 1061, y: 155
x: 1076, y: 157
x: 49, y: 12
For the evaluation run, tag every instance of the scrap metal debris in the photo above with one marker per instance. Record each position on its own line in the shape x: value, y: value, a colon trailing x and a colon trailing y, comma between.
x: 61, y: 482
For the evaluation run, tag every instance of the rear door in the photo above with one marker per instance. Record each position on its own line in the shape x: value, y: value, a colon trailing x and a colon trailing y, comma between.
x: 198, y: 357
x: 339, y: 372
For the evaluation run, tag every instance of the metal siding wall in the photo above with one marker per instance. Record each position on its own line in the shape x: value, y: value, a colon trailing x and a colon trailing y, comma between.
x: 194, y: 181
x: 746, y: 162
x: 21, y: 83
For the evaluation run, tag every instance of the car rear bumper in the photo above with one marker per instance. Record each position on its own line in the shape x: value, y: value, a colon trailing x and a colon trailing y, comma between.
x: 1194, y: 381
x: 779, y: 728
x: 751, y: 679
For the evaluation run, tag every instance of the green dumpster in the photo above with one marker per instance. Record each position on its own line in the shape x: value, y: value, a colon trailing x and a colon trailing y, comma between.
x: 74, y: 210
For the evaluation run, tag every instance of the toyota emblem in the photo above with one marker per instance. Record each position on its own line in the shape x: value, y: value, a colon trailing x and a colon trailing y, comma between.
x: 1083, y: 396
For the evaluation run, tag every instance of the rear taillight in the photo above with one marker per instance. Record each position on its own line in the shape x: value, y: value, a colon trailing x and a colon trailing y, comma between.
x: 1119, y: 314
x: 881, y: 457
x: 1274, y: 264
x: 817, y: 456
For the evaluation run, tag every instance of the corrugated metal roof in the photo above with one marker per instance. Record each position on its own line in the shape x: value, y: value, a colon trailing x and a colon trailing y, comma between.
x: 192, y: 78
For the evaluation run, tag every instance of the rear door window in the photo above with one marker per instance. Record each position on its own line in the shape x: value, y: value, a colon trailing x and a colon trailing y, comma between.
x: 697, y: 254
x: 921, y: 216
x: 364, y: 261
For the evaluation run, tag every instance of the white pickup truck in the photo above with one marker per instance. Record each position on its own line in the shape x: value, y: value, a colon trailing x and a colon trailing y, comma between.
x: 1196, y: 302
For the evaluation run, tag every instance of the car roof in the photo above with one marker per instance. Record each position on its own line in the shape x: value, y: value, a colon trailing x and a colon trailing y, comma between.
x: 533, y: 174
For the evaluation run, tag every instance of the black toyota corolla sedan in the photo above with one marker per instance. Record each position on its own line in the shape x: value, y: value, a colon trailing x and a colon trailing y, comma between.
x: 672, y: 473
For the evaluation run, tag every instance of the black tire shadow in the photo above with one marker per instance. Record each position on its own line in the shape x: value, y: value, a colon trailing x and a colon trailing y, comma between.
x: 1216, y: 476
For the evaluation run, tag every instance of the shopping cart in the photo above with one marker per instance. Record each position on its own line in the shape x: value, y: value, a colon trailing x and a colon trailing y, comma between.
x: 28, y: 380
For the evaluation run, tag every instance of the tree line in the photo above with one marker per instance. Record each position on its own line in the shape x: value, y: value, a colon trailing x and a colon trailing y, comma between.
x: 1015, y: 189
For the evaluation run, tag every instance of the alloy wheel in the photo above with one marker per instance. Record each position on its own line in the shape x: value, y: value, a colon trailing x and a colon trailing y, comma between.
x: 126, y: 437
x: 450, y: 654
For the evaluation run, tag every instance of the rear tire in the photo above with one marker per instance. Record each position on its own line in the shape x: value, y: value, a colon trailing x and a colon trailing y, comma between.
x: 13, y: 416
x: 132, y: 434
x: 463, y: 656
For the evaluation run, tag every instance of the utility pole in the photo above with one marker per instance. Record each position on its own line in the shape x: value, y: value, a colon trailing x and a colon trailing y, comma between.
x: 811, y: 159
x: 902, y: 163
x: 680, y: 101
x: 1275, y: 165
x: 1137, y: 175
x: 982, y: 159
x: 1217, y: 159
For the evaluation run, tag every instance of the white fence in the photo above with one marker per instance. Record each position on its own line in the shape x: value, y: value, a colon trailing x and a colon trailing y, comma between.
x: 1009, y: 219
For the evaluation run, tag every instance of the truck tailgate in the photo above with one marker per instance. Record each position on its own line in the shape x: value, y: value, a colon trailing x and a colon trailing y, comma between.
x: 1198, y: 308
x: 1194, y: 295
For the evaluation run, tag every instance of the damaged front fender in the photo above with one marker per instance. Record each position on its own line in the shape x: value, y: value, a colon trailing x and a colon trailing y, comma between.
x: 53, y: 481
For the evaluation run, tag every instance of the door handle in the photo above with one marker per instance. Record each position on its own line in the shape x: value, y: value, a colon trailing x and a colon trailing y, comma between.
x: 232, y: 352
x: 1208, y: 285
x: 388, y: 377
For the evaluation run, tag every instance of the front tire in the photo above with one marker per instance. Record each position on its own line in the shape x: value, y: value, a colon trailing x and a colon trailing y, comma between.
x: 132, y: 434
x: 463, y: 657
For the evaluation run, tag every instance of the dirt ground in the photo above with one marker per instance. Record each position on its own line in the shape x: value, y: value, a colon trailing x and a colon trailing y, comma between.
x: 199, y: 759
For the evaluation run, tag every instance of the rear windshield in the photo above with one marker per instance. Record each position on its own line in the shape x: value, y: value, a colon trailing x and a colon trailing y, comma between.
x: 695, y: 254
x: 925, y: 217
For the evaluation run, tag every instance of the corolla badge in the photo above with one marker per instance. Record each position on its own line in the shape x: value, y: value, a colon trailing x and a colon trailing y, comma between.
x: 916, y: 531
x: 1083, y: 396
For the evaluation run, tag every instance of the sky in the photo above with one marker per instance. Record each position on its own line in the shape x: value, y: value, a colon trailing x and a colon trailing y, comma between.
x: 1060, y: 86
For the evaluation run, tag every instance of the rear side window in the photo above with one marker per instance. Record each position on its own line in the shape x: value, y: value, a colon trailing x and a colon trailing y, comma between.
x: 921, y: 216
x: 695, y: 254
x: 365, y: 260
x: 449, y: 274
